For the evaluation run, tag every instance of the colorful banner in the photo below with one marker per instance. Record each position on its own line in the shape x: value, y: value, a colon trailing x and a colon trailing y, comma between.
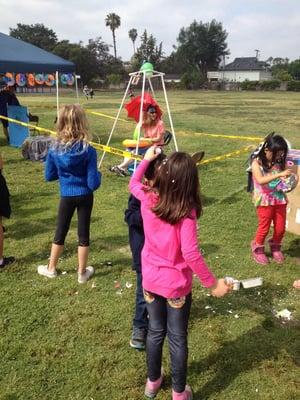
x: 31, y: 79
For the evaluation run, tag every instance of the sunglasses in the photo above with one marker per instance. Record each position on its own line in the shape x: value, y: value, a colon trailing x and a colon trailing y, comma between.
x: 152, y: 112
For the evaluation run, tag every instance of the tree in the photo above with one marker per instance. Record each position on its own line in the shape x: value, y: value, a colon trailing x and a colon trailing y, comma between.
x: 173, y: 64
x: 279, y: 69
x: 148, y: 51
x: 294, y: 69
x: 133, y: 35
x: 203, y: 45
x: 113, y: 21
x: 84, y: 60
x: 106, y: 63
x: 36, y: 34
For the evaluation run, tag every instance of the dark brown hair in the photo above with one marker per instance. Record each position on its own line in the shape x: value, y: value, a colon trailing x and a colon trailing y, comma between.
x: 177, y: 183
x: 274, y: 143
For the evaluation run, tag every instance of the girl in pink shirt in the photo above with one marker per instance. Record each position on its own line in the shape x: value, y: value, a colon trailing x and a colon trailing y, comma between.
x: 170, y: 257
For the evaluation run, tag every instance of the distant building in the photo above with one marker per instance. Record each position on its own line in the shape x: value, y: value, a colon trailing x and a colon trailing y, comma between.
x: 241, y: 69
x: 172, y: 78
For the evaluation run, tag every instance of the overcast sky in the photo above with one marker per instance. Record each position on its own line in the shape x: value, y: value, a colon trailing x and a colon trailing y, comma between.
x: 272, y: 26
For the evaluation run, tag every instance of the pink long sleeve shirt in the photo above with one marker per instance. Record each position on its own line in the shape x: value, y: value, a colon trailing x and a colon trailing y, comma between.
x: 170, y: 255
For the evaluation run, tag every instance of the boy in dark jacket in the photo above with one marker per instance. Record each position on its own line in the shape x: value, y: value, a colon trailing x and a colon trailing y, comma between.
x: 134, y: 220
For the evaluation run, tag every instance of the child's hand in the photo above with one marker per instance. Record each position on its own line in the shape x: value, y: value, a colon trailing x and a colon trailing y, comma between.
x: 221, y: 288
x: 285, y: 173
x: 151, y: 153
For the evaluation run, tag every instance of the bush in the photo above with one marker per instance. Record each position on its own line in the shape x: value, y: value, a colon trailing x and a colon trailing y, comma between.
x: 293, y: 86
x: 270, y: 85
x: 249, y: 85
x: 283, y: 75
x: 114, y: 79
x: 192, y: 80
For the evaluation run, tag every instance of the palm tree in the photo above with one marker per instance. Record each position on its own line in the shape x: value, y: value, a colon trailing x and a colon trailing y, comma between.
x: 133, y: 35
x: 113, y: 21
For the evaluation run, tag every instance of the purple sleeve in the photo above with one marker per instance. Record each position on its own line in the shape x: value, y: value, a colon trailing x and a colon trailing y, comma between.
x: 135, y: 183
x: 191, y: 252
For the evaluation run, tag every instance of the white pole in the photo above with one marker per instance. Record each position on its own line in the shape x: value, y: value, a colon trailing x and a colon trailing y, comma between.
x: 169, y: 113
x: 151, y: 87
x: 140, y: 119
x: 76, y: 86
x: 57, y: 99
x: 116, y: 119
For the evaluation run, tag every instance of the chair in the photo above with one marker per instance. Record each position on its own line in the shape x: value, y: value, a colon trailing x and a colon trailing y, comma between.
x: 167, y: 137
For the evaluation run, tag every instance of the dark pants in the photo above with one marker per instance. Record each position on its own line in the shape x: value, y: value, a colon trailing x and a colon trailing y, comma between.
x: 67, y: 206
x: 168, y: 317
x: 140, y: 319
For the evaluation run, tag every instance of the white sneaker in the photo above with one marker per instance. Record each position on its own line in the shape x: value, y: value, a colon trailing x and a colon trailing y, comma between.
x: 82, y: 278
x: 43, y: 270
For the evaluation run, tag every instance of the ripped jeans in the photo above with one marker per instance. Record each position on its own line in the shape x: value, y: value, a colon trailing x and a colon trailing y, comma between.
x: 168, y: 317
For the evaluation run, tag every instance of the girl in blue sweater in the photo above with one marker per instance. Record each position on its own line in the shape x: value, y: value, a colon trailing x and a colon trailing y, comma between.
x: 73, y: 162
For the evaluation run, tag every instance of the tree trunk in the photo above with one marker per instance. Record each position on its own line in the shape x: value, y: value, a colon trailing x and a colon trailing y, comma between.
x: 114, y: 40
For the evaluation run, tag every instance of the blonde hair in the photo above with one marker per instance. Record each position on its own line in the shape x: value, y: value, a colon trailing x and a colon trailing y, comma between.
x: 72, y: 124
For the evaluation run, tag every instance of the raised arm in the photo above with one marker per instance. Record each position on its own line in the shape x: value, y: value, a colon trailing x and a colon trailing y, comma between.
x: 264, y: 179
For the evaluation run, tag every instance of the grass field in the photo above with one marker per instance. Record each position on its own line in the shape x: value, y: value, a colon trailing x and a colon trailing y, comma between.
x: 61, y: 340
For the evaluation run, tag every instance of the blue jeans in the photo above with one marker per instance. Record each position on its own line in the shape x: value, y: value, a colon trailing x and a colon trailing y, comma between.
x: 168, y: 317
x: 140, y: 319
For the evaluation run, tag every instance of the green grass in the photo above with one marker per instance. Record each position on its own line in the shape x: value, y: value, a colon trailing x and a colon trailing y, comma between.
x: 59, y: 340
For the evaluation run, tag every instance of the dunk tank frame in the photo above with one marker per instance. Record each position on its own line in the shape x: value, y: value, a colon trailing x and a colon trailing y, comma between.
x: 148, y: 74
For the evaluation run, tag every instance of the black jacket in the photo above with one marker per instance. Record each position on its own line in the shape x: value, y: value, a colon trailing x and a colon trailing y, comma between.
x: 134, y: 220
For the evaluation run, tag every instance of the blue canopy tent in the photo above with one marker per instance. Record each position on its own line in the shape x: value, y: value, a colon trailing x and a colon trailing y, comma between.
x: 18, y: 56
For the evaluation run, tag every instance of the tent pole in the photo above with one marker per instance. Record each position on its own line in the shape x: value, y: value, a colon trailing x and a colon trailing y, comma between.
x: 57, y: 100
x: 76, y: 86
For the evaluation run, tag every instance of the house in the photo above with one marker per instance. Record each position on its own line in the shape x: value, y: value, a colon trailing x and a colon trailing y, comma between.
x: 242, y: 69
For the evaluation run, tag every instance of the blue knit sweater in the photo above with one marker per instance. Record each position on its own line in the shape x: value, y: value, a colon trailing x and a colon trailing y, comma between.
x: 76, y: 168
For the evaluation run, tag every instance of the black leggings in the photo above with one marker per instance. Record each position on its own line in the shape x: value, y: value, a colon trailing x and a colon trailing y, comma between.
x: 67, y: 206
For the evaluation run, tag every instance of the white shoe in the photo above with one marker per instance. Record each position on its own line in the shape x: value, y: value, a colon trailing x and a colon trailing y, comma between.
x: 82, y: 278
x: 43, y: 270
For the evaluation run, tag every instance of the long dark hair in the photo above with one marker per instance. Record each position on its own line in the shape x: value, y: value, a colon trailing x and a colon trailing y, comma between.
x: 275, y: 144
x: 177, y: 183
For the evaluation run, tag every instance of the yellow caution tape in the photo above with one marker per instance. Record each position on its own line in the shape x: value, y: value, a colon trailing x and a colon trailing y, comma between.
x: 97, y: 146
x: 123, y: 153
x: 106, y: 116
x: 228, y: 155
x: 251, y: 138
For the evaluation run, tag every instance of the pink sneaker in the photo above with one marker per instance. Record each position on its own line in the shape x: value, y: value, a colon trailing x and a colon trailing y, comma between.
x: 277, y: 255
x: 152, y: 388
x: 186, y: 395
x: 258, y: 253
